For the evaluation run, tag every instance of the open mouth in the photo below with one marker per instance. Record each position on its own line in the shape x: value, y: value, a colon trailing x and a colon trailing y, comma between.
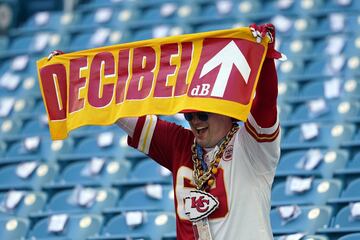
x: 201, y: 130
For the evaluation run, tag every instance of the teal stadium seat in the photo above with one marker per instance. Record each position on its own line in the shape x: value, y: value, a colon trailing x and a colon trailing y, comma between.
x: 353, y: 236
x: 343, y: 223
x: 154, y: 225
x: 140, y: 199
x: 31, y: 202
x: 43, y: 173
x: 310, y: 220
x: 68, y: 201
x: 111, y: 172
x: 331, y: 160
x: 329, y: 135
x: 321, y: 190
x: 14, y: 228
x: 350, y: 194
x: 79, y: 226
x: 352, y: 168
x: 45, y: 20
x: 148, y: 171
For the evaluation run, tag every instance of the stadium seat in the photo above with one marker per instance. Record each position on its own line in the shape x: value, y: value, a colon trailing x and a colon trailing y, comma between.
x: 103, y: 144
x: 10, y: 127
x: 325, y: 162
x: 52, y: 150
x: 318, y: 194
x: 301, y: 236
x: 152, y: 225
x: 39, y: 43
x: 148, y: 171
x: 343, y: 223
x: 24, y: 149
x: 288, y: 91
x: 353, y: 236
x: 310, y: 220
x: 317, y: 110
x: 298, y: 48
x: 54, y: 20
x: 148, y: 198
x: 350, y: 194
x: 34, y: 175
x: 351, y: 88
x: 353, y: 166
x: 318, y: 135
x: 79, y: 173
x: 14, y: 228
x: 22, y: 203
x: 79, y: 226
x: 82, y: 200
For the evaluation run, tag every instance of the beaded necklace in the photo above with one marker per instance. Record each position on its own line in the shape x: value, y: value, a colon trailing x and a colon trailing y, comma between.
x: 206, y: 174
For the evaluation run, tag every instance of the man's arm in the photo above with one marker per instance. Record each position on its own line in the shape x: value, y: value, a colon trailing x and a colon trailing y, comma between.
x: 264, y: 110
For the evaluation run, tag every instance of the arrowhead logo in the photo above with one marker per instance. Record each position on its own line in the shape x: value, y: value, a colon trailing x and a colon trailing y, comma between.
x: 199, y: 205
x: 227, y: 69
x: 227, y: 57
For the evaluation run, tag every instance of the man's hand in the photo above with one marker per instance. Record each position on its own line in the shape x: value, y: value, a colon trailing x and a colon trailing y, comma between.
x: 54, y: 53
x: 260, y: 31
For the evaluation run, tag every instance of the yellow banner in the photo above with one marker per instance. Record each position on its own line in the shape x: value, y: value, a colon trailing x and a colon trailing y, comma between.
x: 212, y: 71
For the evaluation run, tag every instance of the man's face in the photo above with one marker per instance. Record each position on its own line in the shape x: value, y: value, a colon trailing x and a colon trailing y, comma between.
x: 208, y: 132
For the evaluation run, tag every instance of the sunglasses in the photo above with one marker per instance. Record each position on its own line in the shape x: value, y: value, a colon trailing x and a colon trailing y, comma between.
x: 202, y: 116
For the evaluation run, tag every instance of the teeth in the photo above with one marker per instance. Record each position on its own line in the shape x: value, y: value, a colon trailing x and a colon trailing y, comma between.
x: 200, y: 128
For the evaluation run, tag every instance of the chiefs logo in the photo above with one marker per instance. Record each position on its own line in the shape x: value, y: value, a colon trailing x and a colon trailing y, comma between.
x: 199, y: 205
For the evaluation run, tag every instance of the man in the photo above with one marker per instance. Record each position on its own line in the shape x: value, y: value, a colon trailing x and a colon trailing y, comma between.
x: 218, y: 162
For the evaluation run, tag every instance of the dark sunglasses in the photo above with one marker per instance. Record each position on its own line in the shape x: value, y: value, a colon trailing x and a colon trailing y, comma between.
x: 202, y: 116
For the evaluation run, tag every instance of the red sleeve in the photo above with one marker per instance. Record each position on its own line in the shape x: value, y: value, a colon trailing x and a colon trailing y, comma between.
x: 167, y: 141
x: 264, y: 109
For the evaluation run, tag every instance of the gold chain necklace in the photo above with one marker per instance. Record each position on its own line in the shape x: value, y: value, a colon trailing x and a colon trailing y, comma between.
x: 200, y: 176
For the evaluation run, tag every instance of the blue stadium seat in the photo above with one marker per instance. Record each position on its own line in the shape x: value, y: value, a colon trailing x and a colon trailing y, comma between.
x: 40, y: 43
x: 321, y: 190
x: 285, y: 110
x: 332, y: 160
x: 353, y: 236
x: 353, y: 166
x: 154, y: 225
x: 138, y: 198
x: 306, y: 237
x: 351, y: 88
x: 310, y: 220
x: 76, y: 174
x: 304, y: 113
x: 10, y: 127
x: 298, y: 48
x: 3, y: 148
x: 14, y: 228
x: 30, y: 203
x: 350, y: 194
x: 291, y: 69
x: 52, y: 150
x: 343, y: 223
x: 96, y: 17
x: 288, y: 91
x: 148, y: 171
x: 54, y: 20
x: 329, y: 135
x: 41, y: 175
x: 80, y: 226
x: 24, y: 149
x: 93, y: 146
x: 68, y: 201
